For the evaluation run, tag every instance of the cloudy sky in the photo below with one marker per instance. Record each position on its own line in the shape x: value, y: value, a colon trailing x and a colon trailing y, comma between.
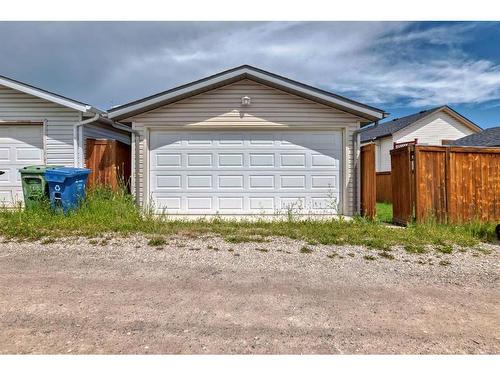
x: 399, y: 67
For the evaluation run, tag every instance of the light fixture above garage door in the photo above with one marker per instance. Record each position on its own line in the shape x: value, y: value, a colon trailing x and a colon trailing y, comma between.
x: 245, y: 101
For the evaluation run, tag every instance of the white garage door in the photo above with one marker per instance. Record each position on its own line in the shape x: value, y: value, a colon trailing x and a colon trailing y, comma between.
x: 20, y: 145
x: 245, y: 173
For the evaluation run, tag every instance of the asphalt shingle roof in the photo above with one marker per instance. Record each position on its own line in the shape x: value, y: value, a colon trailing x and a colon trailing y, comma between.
x: 390, y: 127
x: 488, y: 138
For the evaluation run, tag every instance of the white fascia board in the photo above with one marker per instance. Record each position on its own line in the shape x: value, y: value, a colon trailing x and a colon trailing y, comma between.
x: 167, y: 96
x: 48, y: 96
x: 250, y: 73
x: 313, y: 93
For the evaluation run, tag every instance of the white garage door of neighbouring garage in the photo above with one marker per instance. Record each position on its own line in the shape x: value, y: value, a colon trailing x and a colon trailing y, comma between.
x: 20, y: 145
x: 248, y: 172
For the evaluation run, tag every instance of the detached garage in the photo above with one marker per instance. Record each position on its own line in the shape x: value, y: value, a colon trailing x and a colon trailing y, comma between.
x: 40, y: 127
x: 245, y: 142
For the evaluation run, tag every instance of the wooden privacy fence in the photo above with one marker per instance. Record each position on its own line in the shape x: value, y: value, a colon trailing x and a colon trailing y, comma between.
x: 109, y: 161
x: 368, y: 181
x: 450, y: 184
x: 384, y: 187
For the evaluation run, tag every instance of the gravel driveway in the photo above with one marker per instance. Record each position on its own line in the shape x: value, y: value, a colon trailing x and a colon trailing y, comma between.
x: 204, y: 295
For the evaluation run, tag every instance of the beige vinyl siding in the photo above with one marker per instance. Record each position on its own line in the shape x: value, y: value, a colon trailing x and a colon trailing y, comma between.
x: 383, y: 154
x: 59, y: 120
x: 15, y: 106
x: 270, y: 108
x: 433, y: 129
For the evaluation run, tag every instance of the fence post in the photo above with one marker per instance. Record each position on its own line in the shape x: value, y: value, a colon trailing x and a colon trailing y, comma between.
x: 368, y: 181
x: 414, y: 176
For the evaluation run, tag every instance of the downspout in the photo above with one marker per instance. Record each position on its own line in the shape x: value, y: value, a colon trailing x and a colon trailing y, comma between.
x: 356, y: 141
x: 77, y: 141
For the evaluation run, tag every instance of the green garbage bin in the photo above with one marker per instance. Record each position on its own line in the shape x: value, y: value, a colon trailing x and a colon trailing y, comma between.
x: 35, y: 188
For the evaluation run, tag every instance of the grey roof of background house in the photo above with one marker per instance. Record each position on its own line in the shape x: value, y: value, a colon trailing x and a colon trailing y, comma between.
x: 488, y: 138
x: 390, y: 127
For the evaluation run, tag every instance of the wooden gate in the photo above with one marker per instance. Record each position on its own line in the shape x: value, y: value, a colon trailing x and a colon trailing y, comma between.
x: 109, y: 161
x: 402, y: 184
x: 368, y: 181
x: 445, y: 183
x: 430, y: 183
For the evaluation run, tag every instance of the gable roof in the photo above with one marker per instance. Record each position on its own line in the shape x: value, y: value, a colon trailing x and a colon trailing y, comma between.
x: 487, y: 138
x: 246, y: 71
x: 390, y: 127
x: 47, y: 95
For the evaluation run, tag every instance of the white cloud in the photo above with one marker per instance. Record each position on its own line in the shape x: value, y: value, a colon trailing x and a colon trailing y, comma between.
x: 380, y: 63
x: 374, y: 62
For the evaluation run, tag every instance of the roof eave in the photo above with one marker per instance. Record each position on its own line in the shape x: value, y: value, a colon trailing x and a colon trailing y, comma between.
x: 46, y: 95
x: 369, y: 113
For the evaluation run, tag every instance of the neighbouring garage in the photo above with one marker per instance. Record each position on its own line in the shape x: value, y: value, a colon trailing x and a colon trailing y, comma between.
x: 245, y: 172
x: 20, y: 145
x: 41, y: 127
x: 246, y: 142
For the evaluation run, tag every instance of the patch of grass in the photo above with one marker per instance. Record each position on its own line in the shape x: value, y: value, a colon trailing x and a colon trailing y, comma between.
x: 386, y: 255
x: 384, y: 212
x: 483, y: 250
x: 305, y: 250
x: 445, y: 249
x: 415, y: 248
x: 335, y: 255
x: 369, y: 257
x: 444, y: 263
x: 105, y: 212
x: 47, y: 241
x: 93, y: 242
x: 157, y: 241
x: 244, y: 238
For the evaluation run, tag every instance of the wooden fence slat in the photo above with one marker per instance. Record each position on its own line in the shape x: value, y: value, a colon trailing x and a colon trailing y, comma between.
x: 402, y: 185
x: 368, y: 181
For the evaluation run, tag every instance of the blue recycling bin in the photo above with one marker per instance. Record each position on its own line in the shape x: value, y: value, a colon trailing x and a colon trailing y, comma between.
x: 66, y: 187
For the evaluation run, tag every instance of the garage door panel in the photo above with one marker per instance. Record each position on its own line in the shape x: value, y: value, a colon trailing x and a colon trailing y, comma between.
x: 167, y: 160
x: 259, y: 160
x: 4, y: 154
x: 293, y: 182
x: 230, y: 160
x: 28, y: 154
x: 245, y: 173
x: 231, y: 181
x: 19, y: 146
x: 230, y: 203
x: 293, y: 160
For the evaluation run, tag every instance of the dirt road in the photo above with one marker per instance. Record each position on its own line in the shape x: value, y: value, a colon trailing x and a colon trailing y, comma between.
x: 207, y: 296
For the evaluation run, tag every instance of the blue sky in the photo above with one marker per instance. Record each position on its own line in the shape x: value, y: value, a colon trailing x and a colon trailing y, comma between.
x: 401, y: 67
